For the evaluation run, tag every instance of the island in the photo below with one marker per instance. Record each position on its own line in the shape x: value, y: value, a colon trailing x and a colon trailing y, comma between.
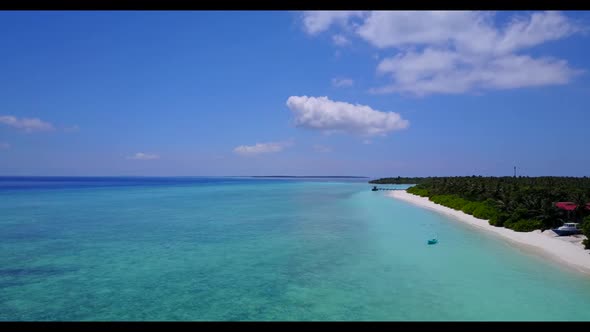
x: 511, y: 205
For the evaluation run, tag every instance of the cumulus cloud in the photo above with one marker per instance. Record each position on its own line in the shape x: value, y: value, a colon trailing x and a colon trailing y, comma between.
x: 342, y: 82
x: 317, y: 21
x: 26, y: 124
x: 439, y: 71
x: 144, y: 156
x: 385, y: 29
x: 541, y: 27
x: 340, y: 40
x: 322, y: 148
x: 459, y: 51
x: 4, y: 145
x: 259, y: 148
x: 321, y: 113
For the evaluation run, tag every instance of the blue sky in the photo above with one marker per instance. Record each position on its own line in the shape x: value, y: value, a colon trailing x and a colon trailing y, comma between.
x: 298, y: 93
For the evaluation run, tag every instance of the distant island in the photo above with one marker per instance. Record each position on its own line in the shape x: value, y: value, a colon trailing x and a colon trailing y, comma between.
x: 310, y: 176
x: 522, y: 204
x: 398, y: 180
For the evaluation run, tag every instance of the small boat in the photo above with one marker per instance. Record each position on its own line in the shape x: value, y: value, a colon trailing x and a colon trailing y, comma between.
x: 568, y: 228
x: 374, y: 188
x: 432, y: 241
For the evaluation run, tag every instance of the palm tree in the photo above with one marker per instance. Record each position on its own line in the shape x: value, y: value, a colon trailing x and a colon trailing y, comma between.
x: 580, y: 199
x: 504, y: 203
x: 544, y: 210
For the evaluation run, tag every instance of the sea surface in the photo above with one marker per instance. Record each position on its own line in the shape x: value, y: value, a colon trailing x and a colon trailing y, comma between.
x: 239, y: 249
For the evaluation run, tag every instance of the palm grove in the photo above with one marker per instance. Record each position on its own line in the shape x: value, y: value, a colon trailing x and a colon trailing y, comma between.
x: 522, y: 204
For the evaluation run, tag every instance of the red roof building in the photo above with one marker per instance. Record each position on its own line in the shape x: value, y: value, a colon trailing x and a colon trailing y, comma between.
x: 569, y: 206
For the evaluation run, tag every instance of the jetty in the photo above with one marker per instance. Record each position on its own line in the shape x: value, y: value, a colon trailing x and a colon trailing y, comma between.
x: 376, y: 189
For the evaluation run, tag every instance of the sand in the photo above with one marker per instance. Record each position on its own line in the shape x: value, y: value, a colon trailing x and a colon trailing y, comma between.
x: 567, y: 250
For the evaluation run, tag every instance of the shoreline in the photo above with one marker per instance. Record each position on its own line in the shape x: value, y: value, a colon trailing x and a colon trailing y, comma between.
x: 566, y: 250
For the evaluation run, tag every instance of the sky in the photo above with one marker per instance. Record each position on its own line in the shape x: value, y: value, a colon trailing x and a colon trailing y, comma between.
x: 212, y: 93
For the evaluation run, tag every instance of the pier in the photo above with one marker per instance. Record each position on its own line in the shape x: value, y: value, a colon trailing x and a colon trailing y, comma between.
x: 376, y: 189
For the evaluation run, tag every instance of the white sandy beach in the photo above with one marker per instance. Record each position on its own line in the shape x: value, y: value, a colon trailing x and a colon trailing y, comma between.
x: 565, y: 249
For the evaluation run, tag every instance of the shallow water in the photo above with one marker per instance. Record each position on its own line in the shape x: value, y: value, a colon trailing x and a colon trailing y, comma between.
x: 258, y: 249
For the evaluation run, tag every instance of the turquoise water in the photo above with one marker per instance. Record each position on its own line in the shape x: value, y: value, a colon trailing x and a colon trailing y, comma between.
x: 259, y: 250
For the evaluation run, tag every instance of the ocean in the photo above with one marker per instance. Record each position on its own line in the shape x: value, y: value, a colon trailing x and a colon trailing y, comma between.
x: 243, y: 249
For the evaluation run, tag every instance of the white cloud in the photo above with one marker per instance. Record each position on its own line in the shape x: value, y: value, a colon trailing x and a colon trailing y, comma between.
x: 258, y: 148
x: 26, y: 124
x: 441, y: 71
x: 400, y: 28
x: 460, y: 51
x: 144, y: 156
x: 4, y: 145
x: 321, y: 113
x: 315, y: 22
x: 322, y: 148
x: 538, y: 28
x: 340, y: 40
x: 465, y: 30
x: 342, y: 82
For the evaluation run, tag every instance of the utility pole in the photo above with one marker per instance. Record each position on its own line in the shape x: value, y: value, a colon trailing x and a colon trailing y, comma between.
x: 514, y: 171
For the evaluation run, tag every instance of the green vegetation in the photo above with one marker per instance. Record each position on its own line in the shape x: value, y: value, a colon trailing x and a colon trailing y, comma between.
x: 522, y: 204
x: 586, y: 231
x: 419, y: 192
